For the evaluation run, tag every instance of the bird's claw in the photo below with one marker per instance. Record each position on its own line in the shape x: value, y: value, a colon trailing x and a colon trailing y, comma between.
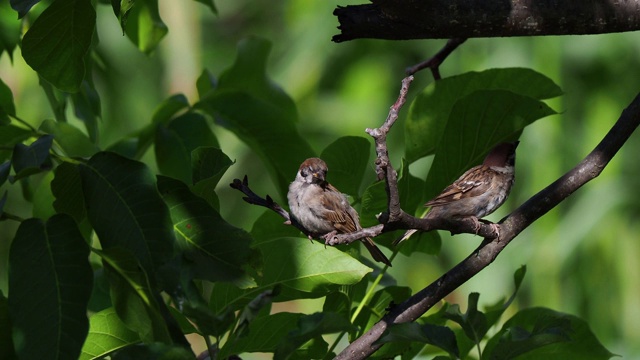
x: 328, y: 238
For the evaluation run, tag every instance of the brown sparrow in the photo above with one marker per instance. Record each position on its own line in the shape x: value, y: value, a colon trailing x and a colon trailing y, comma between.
x: 478, y: 192
x: 322, y: 209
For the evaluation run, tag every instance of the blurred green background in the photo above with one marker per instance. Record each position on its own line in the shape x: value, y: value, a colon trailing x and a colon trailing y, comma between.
x: 582, y: 257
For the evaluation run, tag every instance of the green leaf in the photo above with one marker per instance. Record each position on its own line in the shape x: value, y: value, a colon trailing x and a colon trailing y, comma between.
x: 209, y: 4
x: 6, y: 345
x: 57, y: 42
x: 11, y: 135
x: 410, y: 188
x: 32, y: 159
x: 248, y: 104
x: 73, y: 141
x: 206, y: 82
x: 306, y: 267
x: 473, y: 322
x: 6, y: 100
x: 301, y: 269
x: 175, y: 142
x: 86, y: 106
x: 107, y: 333
x: 264, y: 335
x: 440, y: 336
x: 540, y: 333
x: 23, y: 6
x: 347, y: 159
x: 65, y: 186
x: 144, y: 26
x: 132, y: 295
x: 216, y: 249
x: 3, y: 200
x: 163, y: 113
x: 50, y: 281
x: 374, y: 201
x: 126, y: 210
x: 430, y: 110
x: 311, y: 327
x: 43, y: 198
x: 271, y: 226
x: 478, y: 122
x: 208, y: 164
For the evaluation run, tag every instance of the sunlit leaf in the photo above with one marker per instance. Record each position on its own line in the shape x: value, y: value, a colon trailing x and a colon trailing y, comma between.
x: 57, y: 42
x: 50, y: 281
x: 107, y: 333
x: 143, y: 25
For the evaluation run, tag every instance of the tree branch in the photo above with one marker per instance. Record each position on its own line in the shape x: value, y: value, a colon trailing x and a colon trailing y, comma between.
x: 435, y: 61
x: 511, y: 226
x: 444, y: 19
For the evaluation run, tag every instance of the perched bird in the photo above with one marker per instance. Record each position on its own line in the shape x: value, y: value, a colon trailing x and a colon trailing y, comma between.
x: 322, y: 209
x: 478, y: 192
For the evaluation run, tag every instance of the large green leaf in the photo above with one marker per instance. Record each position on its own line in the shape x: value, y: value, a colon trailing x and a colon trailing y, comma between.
x: 126, y: 210
x: 208, y: 164
x: 107, y: 333
x: 478, y: 122
x: 430, y: 110
x: 347, y: 159
x: 50, y: 284
x: 143, y: 24
x: 247, y: 103
x: 175, y: 141
x: 132, y: 295
x: 216, y: 249
x: 540, y: 333
x: 57, y: 42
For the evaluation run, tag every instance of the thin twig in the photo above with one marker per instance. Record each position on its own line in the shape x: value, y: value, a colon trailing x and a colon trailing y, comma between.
x: 437, y: 59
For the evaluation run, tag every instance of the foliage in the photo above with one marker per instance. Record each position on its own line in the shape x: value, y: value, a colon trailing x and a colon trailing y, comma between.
x: 127, y: 250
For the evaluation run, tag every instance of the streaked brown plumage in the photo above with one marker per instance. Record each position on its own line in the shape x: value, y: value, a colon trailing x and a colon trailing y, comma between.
x: 479, y: 191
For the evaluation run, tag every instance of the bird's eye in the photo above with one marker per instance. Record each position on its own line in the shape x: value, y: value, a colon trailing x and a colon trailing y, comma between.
x: 303, y: 173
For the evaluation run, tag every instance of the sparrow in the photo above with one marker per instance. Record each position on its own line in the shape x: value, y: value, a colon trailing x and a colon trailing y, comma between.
x: 478, y: 192
x: 323, y: 210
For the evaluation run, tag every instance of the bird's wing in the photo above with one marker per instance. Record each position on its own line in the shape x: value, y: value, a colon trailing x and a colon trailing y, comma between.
x: 472, y: 183
x: 339, y: 212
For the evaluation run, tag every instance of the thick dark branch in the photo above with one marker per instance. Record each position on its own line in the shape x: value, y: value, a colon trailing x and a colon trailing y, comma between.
x: 445, y: 19
x: 534, y: 208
